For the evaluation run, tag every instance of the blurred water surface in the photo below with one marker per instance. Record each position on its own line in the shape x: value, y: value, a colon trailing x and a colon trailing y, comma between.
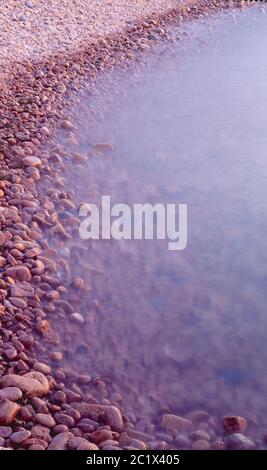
x: 184, y: 330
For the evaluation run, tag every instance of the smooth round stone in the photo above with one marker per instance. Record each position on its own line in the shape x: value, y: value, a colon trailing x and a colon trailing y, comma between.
x: 11, y: 393
x: 34, y: 162
x: 20, y: 436
x: 238, y: 441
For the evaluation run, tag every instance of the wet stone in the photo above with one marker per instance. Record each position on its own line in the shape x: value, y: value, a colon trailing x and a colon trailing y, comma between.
x: 217, y: 445
x: 20, y: 436
x: 182, y: 442
x: 77, y: 318
x: 8, y: 411
x: 234, y: 424
x: 114, y: 418
x: 60, y: 442
x: 199, y: 434
x: 170, y: 421
x: 41, y: 367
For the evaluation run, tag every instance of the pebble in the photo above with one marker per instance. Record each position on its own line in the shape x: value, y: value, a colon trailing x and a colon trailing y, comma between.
x: 22, y: 289
x: 60, y: 397
x: 2, y: 261
x: 200, y: 445
x: 60, y: 441
x: 199, y: 434
x: 18, y: 189
x: 152, y: 36
x: 77, y: 442
x: 20, y: 273
x: 59, y: 428
x: 45, y: 419
x: 41, y: 367
x: 45, y: 131
x: 234, y: 424
x: 62, y: 418
x: 39, y: 405
x: 144, y: 437
x: 32, y: 383
x: 99, y: 436
x: 103, y: 147
x: 170, y: 421
x: 87, y: 446
x: 114, y: 418
x: 78, y: 283
x: 33, y: 252
x: 56, y: 356
x: 11, y: 393
x: 77, y: 318
x: 20, y: 436
x: 198, y: 416
x: 65, y: 124
x: 36, y: 447
x: 5, y: 431
x: 136, y: 444
x: 33, y: 162
x: 18, y: 302
x: 108, y: 443
x: 41, y: 432
x: 2, y: 238
x: 238, y: 441
x: 182, y: 442
x: 25, y: 414
x: 8, y: 411
x: 22, y: 17
x: 11, y: 354
x: 217, y: 445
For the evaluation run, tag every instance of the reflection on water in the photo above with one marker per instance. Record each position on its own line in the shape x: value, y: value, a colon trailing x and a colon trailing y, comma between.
x: 183, y: 330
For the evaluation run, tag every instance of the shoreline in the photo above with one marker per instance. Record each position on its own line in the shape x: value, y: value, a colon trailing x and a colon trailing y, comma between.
x: 33, y: 107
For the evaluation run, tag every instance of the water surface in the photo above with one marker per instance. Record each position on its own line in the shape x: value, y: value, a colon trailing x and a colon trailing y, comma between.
x: 183, y: 330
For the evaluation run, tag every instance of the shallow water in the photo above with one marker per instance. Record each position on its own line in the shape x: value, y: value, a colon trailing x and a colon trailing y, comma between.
x: 182, y: 330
